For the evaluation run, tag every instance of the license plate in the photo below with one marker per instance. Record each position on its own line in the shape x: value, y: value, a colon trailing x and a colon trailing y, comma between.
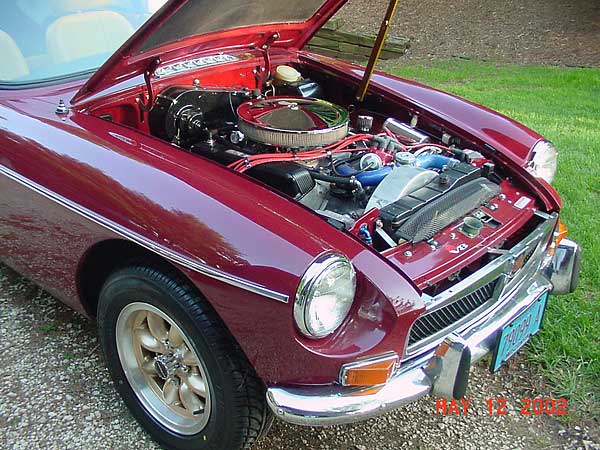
x: 515, y: 334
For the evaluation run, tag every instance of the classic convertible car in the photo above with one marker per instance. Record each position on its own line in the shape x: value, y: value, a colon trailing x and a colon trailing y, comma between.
x: 255, y: 237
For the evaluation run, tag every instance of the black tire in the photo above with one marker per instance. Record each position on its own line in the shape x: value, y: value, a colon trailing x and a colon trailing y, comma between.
x: 239, y: 414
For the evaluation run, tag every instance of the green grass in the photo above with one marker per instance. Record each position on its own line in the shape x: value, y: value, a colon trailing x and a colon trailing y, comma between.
x: 562, y: 104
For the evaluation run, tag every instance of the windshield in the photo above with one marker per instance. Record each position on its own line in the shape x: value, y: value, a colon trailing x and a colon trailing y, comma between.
x: 45, y: 39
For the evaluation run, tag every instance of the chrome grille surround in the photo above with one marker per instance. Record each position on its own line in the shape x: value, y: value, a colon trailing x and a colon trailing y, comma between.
x: 500, y: 270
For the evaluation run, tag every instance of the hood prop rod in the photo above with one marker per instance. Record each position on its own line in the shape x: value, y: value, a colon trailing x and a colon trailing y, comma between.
x: 376, y: 52
x: 146, y: 102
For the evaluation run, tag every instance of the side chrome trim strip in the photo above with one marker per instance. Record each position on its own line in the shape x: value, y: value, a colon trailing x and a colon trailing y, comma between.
x: 172, y: 256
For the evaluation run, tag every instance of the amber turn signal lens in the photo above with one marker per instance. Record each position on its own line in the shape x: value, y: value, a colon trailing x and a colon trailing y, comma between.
x: 561, y: 233
x: 370, y: 374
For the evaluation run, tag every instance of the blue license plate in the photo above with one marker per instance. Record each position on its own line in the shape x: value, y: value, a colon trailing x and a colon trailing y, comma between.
x: 515, y: 334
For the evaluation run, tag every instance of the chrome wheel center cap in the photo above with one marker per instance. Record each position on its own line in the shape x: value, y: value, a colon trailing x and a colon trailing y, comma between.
x: 166, y: 365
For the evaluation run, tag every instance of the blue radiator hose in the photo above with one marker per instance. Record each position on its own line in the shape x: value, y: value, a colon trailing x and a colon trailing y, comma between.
x: 435, y: 161
x: 366, y: 178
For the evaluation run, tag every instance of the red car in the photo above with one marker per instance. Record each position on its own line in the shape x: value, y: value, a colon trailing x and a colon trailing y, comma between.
x: 254, y: 239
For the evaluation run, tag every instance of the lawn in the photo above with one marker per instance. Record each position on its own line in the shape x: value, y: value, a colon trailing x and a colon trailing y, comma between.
x: 562, y: 104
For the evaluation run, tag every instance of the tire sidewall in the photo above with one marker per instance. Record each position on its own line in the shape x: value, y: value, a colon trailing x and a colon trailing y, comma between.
x: 122, y: 290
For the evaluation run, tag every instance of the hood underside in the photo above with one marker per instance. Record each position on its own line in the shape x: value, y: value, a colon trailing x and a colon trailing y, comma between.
x: 183, y: 27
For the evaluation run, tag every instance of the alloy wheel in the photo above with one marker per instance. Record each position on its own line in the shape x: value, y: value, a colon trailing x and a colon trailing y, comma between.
x: 163, y: 368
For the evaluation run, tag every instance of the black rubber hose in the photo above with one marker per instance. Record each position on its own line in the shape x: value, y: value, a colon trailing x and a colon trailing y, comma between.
x: 330, y: 179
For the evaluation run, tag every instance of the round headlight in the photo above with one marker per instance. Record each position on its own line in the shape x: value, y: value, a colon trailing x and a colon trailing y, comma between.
x: 325, y: 296
x: 543, y: 161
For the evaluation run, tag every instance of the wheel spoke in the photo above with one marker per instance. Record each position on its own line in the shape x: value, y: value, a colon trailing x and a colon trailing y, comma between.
x: 140, y: 317
x: 148, y: 367
x: 196, y: 384
x: 149, y: 342
x: 157, y: 326
x: 189, y: 359
x: 171, y: 391
x: 191, y: 402
x: 175, y: 337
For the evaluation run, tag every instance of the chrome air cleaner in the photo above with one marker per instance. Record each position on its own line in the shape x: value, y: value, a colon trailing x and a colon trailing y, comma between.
x: 291, y: 122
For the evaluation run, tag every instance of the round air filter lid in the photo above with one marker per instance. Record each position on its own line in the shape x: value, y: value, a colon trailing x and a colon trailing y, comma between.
x: 293, y: 122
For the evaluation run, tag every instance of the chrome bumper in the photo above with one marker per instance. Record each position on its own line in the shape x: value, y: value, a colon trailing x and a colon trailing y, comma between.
x: 564, y: 270
x: 442, y: 371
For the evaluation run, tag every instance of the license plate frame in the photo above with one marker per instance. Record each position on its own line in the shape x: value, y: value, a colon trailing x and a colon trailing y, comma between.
x: 514, y: 335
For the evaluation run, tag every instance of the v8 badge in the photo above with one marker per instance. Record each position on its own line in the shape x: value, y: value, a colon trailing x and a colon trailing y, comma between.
x: 460, y: 248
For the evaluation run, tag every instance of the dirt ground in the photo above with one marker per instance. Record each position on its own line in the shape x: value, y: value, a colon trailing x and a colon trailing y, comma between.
x: 519, y: 31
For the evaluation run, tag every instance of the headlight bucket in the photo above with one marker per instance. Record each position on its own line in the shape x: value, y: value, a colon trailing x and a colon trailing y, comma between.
x: 543, y: 162
x: 325, y: 295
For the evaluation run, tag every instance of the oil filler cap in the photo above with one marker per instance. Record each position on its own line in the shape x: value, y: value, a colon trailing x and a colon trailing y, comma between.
x: 471, y: 227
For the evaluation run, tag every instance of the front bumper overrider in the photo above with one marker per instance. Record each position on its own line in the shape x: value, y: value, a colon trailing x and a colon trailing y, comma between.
x: 442, y: 370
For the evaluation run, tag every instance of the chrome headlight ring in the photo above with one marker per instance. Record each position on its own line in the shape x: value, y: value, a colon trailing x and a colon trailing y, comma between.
x: 543, y: 161
x: 325, y: 295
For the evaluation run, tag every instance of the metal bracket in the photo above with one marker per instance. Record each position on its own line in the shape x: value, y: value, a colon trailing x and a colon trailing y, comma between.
x: 263, y: 73
x: 147, y: 102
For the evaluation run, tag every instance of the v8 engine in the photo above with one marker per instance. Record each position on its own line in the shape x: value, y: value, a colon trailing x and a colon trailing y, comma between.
x: 342, y: 162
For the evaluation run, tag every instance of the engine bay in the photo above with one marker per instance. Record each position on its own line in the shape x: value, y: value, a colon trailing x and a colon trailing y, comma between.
x: 420, y: 191
x: 385, y: 180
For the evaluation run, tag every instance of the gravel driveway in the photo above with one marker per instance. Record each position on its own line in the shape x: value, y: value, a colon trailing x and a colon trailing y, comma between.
x: 55, y: 393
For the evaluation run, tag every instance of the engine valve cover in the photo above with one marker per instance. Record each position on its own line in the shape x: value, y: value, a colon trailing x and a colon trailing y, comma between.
x: 292, y: 122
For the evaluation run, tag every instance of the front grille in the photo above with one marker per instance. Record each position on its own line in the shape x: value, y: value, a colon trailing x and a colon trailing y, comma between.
x: 431, y: 323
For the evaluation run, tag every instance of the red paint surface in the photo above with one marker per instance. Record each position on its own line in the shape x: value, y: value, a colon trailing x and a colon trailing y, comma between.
x: 201, y: 210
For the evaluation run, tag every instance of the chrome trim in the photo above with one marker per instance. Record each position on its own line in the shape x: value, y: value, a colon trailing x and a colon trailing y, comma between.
x: 390, y: 356
x: 192, y: 64
x: 449, y: 367
x: 172, y: 256
x: 500, y: 268
x: 564, y: 270
x: 305, y: 290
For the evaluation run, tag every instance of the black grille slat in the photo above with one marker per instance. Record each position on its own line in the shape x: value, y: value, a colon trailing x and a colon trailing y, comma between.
x: 445, y: 316
x: 435, y: 319
x: 455, y: 312
x: 480, y: 296
x: 470, y: 303
x: 488, y: 290
x: 433, y: 322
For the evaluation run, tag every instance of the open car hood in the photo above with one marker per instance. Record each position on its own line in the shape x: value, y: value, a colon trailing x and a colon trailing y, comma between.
x: 184, y: 27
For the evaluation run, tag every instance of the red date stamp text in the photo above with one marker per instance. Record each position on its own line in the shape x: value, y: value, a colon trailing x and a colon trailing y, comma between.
x: 499, y: 406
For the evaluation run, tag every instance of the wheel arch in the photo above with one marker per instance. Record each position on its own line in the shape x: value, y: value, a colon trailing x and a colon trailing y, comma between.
x: 104, y: 258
